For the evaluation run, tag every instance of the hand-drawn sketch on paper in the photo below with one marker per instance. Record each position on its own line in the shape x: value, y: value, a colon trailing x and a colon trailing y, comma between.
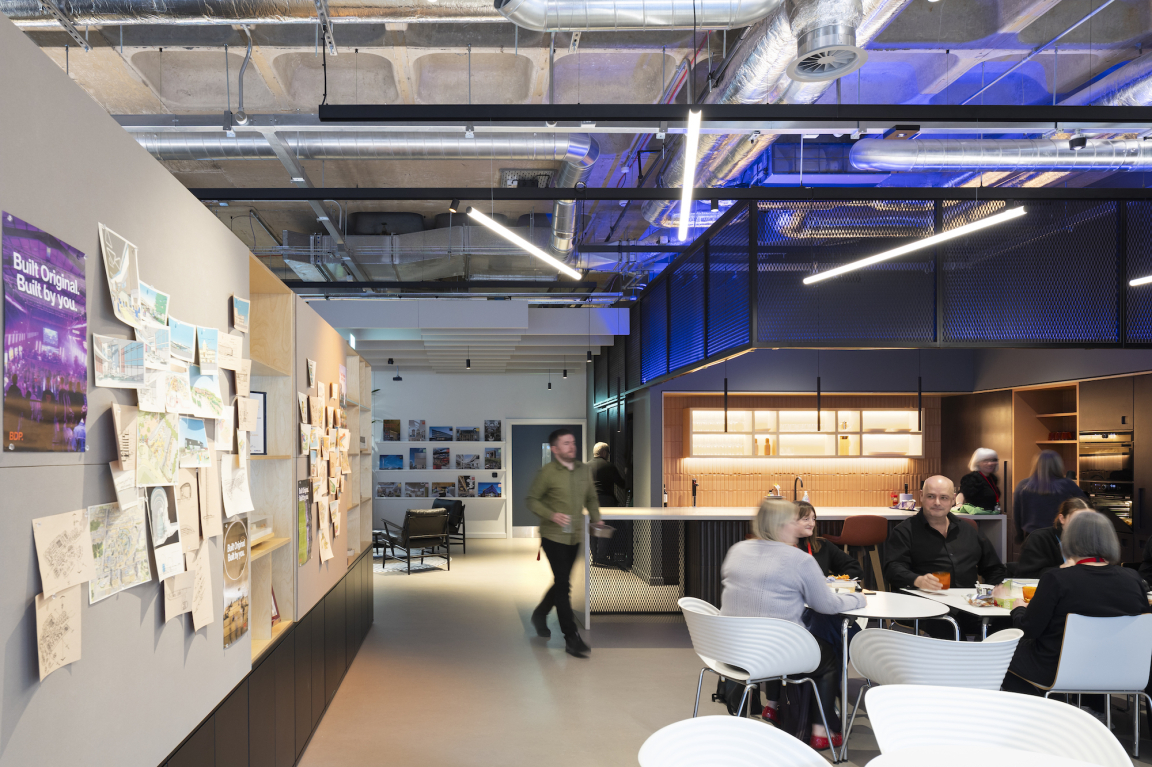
x: 241, y: 310
x: 236, y: 579
x: 206, y: 399
x: 322, y: 536
x: 243, y: 378
x: 118, y: 364
x: 211, y: 524
x: 225, y: 429
x: 124, y: 422
x: 242, y: 454
x: 207, y: 341
x: 316, y: 406
x: 178, y: 394
x: 305, y: 437
x: 165, y: 525
x: 234, y: 487
x: 120, y: 548
x: 57, y: 630
x: 64, y: 550
x: 177, y: 595
x: 182, y: 340
x: 157, y: 347
x: 334, y: 514
x: 188, y: 510
x: 157, y: 448
x: 150, y: 397
x: 193, y: 443
x: 303, y: 406
x: 246, y: 413
x: 203, y: 611
x: 153, y: 305
x: 127, y: 493
x: 229, y: 350
x: 311, y: 374
x: 120, y: 258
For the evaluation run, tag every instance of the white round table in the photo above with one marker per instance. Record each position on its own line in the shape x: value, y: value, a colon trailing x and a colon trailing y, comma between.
x: 953, y: 755
x: 884, y: 605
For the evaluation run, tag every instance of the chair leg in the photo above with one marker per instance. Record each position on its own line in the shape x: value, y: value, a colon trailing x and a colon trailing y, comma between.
x: 867, y: 685
x: 699, y: 687
x: 827, y: 729
x: 877, y: 570
x: 745, y: 698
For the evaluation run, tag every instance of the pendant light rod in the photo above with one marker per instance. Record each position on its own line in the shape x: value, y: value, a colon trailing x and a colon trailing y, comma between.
x: 725, y: 405
x: 919, y: 403
x: 817, y: 403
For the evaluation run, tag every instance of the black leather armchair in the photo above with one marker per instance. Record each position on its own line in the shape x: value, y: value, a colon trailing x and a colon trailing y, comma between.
x: 455, y: 519
x: 423, y: 533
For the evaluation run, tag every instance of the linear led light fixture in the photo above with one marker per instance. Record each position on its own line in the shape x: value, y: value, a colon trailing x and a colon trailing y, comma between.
x: 691, y: 144
x: 519, y: 241
x: 927, y: 242
x: 1140, y: 281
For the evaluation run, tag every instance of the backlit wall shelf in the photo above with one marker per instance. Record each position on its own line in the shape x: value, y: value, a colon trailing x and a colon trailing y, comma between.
x: 798, y: 433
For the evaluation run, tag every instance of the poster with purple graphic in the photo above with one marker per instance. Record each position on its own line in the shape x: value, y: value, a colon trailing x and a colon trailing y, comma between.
x: 45, y: 340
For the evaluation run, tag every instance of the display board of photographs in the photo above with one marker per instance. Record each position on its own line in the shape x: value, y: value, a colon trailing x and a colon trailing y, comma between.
x: 432, y: 457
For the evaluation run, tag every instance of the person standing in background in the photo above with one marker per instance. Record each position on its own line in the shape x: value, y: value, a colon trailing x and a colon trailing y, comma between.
x: 559, y: 494
x: 1038, y: 497
x: 605, y: 476
x: 979, y: 488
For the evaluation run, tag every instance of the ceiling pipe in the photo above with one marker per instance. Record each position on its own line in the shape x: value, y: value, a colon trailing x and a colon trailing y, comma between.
x: 622, y: 15
x: 951, y: 155
x: 574, y: 173
x: 31, y: 14
x: 1127, y: 86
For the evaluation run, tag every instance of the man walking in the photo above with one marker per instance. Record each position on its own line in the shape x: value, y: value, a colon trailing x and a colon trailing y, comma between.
x: 559, y: 494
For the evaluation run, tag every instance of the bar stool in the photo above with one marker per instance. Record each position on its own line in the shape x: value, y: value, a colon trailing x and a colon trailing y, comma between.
x: 864, y: 531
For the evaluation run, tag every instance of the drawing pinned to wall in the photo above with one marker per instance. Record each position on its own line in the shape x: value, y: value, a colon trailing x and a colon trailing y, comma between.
x: 234, y: 488
x: 493, y: 458
x: 127, y: 494
x: 311, y: 374
x: 243, y: 377
x: 193, y: 443
x: 177, y: 595
x: 203, y: 605
x: 391, y: 430
x: 229, y: 350
x: 117, y: 363
x: 57, y: 630
x: 157, y: 347
x: 493, y: 431
x: 443, y: 489
x: 153, y: 306
x: 182, y: 339
x: 417, y: 431
x: 151, y: 395
x: 63, y: 550
x: 418, y: 458
x: 124, y: 422
x: 259, y: 432
x: 206, y: 399
x: 467, y: 433
x: 468, y: 461
x: 391, y: 462
x: 305, y: 438
x: 225, y: 429
x: 303, y: 406
x: 178, y: 393
x: 241, y: 310
x: 165, y: 524
x: 304, y: 521
x: 120, y: 266
x: 465, y: 486
x: 45, y: 340
x: 188, y: 509
x: 415, y: 489
x: 236, y: 580
x: 489, y: 490
x: 208, y: 484
x: 440, y: 434
x: 207, y: 346
x: 441, y: 458
x: 119, y: 548
x: 343, y: 386
x: 157, y: 449
x: 388, y: 490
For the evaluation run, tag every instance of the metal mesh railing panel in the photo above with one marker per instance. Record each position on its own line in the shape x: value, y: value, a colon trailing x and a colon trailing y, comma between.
x: 728, y: 309
x: 640, y: 569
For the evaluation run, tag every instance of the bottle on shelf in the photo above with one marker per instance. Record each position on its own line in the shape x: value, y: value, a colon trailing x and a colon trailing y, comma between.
x: 806, y: 498
x: 665, y: 496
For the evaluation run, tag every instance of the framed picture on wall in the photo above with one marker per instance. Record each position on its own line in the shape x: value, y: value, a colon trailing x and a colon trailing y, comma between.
x: 258, y: 439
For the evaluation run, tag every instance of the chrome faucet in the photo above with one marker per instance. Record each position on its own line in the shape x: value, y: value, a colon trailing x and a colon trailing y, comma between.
x: 695, y: 484
x: 794, y: 495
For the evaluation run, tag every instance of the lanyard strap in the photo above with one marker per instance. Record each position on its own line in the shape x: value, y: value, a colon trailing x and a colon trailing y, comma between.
x: 1090, y: 559
x: 994, y: 488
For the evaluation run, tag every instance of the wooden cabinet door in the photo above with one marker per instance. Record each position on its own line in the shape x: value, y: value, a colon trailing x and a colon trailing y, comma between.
x: 1142, y: 455
x: 1106, y: 404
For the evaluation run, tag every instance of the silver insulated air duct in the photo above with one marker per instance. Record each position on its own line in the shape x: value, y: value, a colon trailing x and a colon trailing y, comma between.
x: 1128, y: 86
x: 574, y: 173
x: 825, y: 32
x: 952, y: 155
x: 619, y: 15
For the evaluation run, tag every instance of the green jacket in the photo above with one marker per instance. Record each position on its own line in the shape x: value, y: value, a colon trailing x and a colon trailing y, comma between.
x: 558, y: 490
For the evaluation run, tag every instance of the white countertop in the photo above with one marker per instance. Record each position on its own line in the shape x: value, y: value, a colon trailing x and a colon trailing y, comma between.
x: 728, y: 513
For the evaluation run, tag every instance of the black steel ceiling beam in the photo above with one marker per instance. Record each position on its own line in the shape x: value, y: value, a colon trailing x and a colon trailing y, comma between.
x: 472, y: 194
x: 594, y: 114
x: 443, y: 287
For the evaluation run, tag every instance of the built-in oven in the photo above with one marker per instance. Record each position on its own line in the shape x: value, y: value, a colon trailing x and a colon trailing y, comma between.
x: 1106, y: 473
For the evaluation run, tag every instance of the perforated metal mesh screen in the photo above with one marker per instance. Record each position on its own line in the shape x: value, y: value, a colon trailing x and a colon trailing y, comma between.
x: 640, y: 569
x: 654, y: 333
x: 888, y: 302
x: 1139, y: 249
x: 728, y: 308
x: 686, y: 342
x: 1049, y: 276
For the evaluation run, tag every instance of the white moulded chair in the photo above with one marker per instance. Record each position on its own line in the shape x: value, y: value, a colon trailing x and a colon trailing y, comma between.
x: 891, y: 657
x: 907, y: 716
x: 725, y: 741
x: 1106, y: 655
x: 750, y: 650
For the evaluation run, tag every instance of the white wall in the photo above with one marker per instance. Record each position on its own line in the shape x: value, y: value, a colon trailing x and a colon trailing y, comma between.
x: 465, y: 400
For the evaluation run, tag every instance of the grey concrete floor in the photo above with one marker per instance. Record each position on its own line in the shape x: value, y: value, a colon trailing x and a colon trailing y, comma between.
x: 452, y: 675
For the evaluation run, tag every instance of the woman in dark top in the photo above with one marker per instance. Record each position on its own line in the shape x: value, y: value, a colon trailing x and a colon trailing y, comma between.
x: 1041, y: 551
x: 1038, y: 498
x: 1089, y: 583
x: 980, y: 487
x: 831, y: 558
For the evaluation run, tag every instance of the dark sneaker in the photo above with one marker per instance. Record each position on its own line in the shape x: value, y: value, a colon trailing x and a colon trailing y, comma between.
x: 540, y: 623
x: 576, y: 647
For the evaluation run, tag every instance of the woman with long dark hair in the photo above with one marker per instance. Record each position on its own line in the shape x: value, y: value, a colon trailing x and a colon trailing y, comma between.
x: 831, y: 558
x: 1038, y: 497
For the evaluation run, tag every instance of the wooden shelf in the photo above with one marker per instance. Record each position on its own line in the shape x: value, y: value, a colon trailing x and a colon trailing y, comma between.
x: 1055, y: 415
x: 1056, y: 442
x: 365, y: 500
x: 365, y: 452
x: 260, y: 646
x: 270, y: 457
x: 266, y: 547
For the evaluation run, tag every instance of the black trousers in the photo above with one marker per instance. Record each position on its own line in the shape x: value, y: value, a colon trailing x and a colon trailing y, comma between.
x: 827, y: 678
x: 561, y: 557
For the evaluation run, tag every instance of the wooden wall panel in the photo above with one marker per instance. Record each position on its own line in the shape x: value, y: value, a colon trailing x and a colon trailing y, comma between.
x: 829, y: 481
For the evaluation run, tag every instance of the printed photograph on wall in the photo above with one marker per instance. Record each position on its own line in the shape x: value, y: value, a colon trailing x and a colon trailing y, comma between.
x: 45, y: 341
x: 117, y: 363
x: 439, y: 433
x: 493, y: 432
x: 489, y: 490
x: 443, y: 489
x: 492, y: 458
x: 391, y: 431
x: 193, y: 444
x: 418, y: 458
x: 240, y: 311
x: 415, y: 489
x: 182, y: 339
x: 467, y: 461
x: 440, y: 458
x: 467, y: 433
x: 391, y: 462
x: 153, y: 306
x: 236, y: 584
x: 417, y: 431
x: 304, y: 520
x: 387, y: 489
x: 466, y: 486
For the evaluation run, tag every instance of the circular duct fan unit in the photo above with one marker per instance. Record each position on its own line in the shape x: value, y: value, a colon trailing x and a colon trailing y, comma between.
x: 826, y: 54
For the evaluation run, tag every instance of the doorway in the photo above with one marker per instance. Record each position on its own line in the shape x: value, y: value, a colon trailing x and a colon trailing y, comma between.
x: 527, y: 441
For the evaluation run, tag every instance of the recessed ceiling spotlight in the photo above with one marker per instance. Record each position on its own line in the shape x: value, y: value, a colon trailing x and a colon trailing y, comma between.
x: 1077, y: 142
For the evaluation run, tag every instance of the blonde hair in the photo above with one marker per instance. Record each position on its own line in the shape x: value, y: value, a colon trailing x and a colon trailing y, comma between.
x: 773, y: 514
x: 601, y: 450
x: 981, y: 454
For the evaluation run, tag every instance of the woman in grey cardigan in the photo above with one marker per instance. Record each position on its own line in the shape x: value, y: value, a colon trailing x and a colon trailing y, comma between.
x: 768, y: 577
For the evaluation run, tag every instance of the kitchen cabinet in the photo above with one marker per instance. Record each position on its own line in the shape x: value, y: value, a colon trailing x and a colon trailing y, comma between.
x: 1106, y: 404
x: 1142, y: 455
